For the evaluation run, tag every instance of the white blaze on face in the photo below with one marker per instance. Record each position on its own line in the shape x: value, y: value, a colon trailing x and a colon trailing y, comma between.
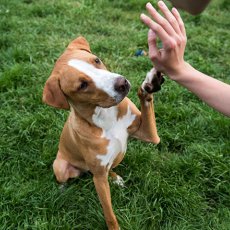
x: 103, y: 79
x: 114, y: 130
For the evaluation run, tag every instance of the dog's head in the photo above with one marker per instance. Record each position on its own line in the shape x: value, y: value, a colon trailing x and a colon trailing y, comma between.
x: 80, y: 77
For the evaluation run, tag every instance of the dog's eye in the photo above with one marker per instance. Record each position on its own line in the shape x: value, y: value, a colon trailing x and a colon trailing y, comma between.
x: 97, y: 60
x: 83, y: 85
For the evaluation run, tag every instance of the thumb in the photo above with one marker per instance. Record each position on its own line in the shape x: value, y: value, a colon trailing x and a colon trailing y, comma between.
x: 153, y: 51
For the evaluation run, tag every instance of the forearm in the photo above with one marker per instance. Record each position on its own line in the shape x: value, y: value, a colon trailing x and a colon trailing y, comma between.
x: 210, y: 90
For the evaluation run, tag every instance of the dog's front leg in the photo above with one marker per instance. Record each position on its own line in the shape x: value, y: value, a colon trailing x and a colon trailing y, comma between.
x: 147, y: 130
x: 103, y: 191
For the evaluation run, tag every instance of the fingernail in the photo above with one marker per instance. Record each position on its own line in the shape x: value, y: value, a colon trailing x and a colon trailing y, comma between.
x: 148, y: 5
x: 143, y: 16
x: 174, y: 9
x: 161, y: 4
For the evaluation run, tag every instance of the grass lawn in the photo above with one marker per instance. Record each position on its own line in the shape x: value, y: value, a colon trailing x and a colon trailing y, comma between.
x: 182, y: 183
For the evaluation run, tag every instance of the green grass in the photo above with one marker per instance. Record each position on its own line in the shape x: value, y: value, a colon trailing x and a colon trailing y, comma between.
x: 183, y: 183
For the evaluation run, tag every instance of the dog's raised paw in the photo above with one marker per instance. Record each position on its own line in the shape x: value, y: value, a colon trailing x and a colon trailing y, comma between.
x: 153, y: 81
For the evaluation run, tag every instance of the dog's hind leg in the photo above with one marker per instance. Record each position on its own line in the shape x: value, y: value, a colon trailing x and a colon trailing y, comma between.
x: 63, y: 170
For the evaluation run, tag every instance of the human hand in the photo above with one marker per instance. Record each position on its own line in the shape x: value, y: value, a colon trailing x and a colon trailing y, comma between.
x: 171, y: 31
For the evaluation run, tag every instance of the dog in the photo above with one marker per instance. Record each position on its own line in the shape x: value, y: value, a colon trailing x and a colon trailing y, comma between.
x: 101, y: 118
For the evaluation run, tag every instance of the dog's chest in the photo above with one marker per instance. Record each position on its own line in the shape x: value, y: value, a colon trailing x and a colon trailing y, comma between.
x: 114, y: 130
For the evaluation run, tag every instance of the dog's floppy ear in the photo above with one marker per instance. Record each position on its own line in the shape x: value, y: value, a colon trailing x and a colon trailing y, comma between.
x: 53, y: 95
x: 79, y: 43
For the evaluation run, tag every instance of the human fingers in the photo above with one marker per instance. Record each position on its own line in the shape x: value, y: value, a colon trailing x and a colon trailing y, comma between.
x: 153, y: 51
x: 179, y: 20
x: 169, y: 16
x: 160, y: 32
x: 160, y: 20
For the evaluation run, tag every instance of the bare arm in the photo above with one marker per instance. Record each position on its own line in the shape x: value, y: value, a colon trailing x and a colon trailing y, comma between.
x: 212, y: 91
x: 170, y: 59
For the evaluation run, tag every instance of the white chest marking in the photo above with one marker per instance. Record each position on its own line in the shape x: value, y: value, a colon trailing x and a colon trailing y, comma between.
x: 114, y: 130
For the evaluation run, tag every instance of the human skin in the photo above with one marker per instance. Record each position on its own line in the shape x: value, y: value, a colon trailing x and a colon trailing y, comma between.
x: 170, y: 58
x: 193, y: 7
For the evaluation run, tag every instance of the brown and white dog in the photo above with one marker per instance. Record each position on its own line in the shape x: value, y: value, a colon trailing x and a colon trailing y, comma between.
x: 101, y: 118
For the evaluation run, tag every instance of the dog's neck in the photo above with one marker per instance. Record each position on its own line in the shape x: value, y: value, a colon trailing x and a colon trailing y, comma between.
x: 83, y: 112
x: 105, y: 117
x: 94, y: 115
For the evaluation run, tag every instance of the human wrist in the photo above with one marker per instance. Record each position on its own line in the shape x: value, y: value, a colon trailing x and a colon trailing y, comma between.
x: 179, y: 74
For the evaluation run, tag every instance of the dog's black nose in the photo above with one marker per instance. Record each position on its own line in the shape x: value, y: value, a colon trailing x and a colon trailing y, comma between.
x: 122, y: 85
